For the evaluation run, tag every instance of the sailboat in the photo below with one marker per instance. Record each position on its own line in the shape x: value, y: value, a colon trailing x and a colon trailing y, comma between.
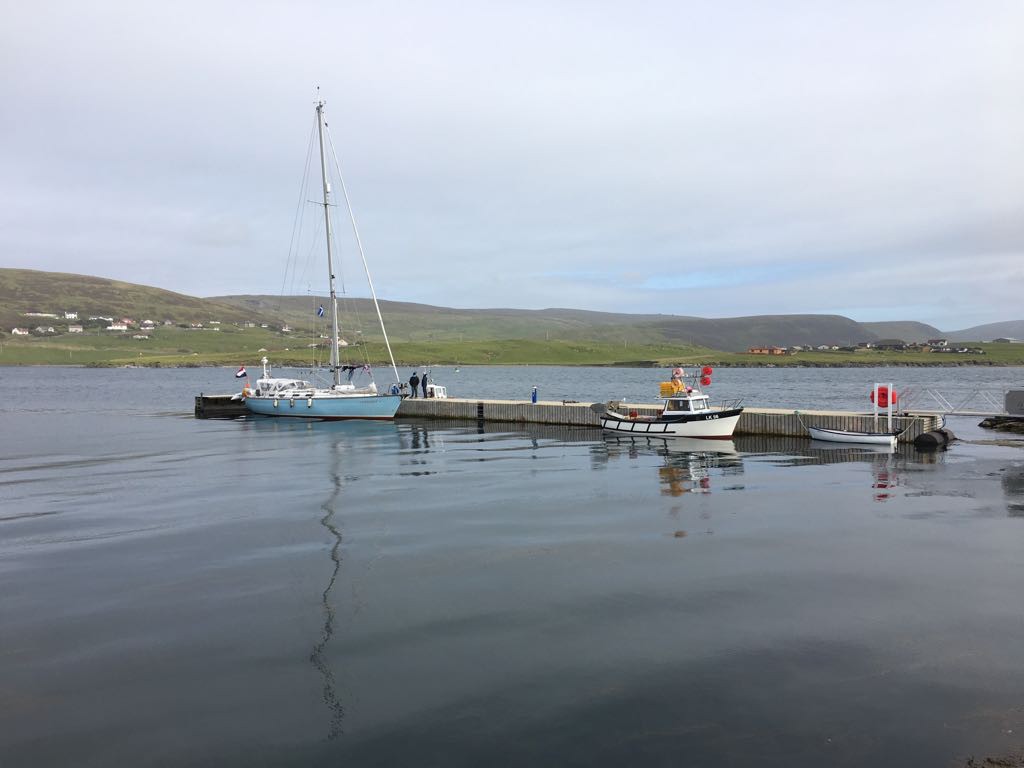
x: 298, y: 398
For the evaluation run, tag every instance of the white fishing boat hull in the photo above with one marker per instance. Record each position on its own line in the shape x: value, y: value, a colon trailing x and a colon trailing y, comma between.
x: 863, y: 438
x: 712, y: 425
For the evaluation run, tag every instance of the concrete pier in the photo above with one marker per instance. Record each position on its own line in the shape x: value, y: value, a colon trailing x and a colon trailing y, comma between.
x: 219, y: 407
x: 753, y: 421
x: 775, y: 422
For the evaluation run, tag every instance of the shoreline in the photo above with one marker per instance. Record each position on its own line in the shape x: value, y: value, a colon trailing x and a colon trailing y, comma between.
x: 615, y: 364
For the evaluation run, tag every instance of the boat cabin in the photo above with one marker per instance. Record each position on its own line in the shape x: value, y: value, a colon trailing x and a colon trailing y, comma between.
x: 689, y: 404
x: 282, y: 387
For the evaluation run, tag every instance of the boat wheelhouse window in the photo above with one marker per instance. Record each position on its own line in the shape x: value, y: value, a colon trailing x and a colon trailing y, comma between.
x: 679, y: 405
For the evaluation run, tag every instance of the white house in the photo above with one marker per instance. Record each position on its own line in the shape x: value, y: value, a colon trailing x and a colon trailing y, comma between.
x: 117, y: 327
x: 44, y: 329
x: 74, y: 329
x: 19, y: 331
x: 70, y: 315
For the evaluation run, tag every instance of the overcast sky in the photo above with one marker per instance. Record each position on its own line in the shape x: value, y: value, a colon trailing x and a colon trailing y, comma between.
x: 713, y: 159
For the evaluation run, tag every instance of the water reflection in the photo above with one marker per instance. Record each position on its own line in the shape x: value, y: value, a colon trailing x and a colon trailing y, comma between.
x: 1013, y: 488
x: 687, y: 464
x: 334, y: 706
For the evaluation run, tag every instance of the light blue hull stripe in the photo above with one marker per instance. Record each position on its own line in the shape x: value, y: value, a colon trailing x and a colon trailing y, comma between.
x: 374, y: 407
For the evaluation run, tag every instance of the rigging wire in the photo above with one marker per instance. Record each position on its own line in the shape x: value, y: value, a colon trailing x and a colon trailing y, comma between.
x: 297, y: 222
x: 362, y: 255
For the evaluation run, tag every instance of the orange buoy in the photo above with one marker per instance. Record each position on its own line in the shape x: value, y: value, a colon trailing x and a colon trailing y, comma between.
x: 884, y: 396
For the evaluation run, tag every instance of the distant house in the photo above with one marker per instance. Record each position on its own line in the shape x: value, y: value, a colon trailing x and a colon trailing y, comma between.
x: 148, y: 325
x: 44, y: 329
x: 767, y: 351
x: 285, y: 329
x: 19, y: 331
x: 263, y: 325
x: 824, y: 347
x: 39, y: 314
x: 117, y: 327
x: 938, y: 343
x: 168, y: 322
x: 127, y: 321
x: 70, y: 315
x: 1006, y: 340
x: 215, y: 322
x: 74, y: 329
x: 195, y: 325
x: 248, y: 324
x: 866, y: 345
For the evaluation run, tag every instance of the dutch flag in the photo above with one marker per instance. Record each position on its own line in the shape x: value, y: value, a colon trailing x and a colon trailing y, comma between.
x: 320, y: 311
x: 240, y: 373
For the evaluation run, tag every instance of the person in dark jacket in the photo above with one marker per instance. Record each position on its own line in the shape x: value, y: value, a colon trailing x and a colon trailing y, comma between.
x: 414, y: 383
x: 424, y: 383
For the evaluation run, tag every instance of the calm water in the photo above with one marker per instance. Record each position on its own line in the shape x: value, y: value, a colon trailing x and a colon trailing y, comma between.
x: 255, y: 592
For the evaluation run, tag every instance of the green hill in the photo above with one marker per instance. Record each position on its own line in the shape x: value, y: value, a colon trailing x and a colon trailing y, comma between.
x: 28, y: 290
x: 1013, y: 329
x: 232, y: 330
x: 909, y: 331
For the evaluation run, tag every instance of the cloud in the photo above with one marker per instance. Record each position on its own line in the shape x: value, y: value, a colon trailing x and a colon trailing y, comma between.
x: 725, y: 159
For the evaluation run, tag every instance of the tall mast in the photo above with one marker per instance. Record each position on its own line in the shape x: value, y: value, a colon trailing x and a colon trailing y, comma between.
x: 335, y: 357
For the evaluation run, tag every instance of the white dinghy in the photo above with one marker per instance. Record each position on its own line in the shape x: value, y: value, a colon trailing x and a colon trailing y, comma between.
x: 881, y: 395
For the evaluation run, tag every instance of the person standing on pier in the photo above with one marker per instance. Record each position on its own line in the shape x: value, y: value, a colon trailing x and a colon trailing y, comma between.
x: 423, y: 382
x: 414, y: 383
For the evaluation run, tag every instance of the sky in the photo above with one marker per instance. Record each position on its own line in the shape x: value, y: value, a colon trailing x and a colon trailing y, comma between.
x: 710, y: 159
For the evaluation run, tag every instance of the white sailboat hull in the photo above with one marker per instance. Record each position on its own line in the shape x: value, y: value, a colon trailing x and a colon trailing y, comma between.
x: 329, y: 407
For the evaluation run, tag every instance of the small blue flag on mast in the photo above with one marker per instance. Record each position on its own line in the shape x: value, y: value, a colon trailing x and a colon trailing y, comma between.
x: 320, y: 311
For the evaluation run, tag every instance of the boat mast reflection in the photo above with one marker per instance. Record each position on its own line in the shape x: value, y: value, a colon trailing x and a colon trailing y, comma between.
x: 318, y: 659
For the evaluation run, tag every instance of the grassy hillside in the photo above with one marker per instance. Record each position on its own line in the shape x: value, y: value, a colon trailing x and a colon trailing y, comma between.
x: 174, y: 346
x: 1013, y: 329
x: 27, y: 290
x: 738, y: 334
x: 419, y: 332
x: 908, y: 331
x: 423, y: 322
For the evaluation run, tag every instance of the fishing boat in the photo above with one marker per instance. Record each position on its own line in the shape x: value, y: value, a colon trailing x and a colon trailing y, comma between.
x: 299, y: 398
x: 686, y: 412
x: 882, y: 395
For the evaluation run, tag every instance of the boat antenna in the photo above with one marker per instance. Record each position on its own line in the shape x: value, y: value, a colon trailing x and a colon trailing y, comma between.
x: 366, y: 268
x: 335, y: 373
